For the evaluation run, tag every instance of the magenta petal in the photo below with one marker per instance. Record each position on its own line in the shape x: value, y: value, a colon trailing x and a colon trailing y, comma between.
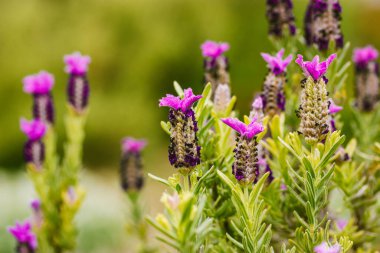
x: 40, y: 83
x: 235, y: 124
x: 76, y: 63
x: 189, y: 99
x: 213, y: 49
x: 133, y: 145
x: 314, y: 68
x: 334, y: 108
x: 254, y: 128
x: 170, y: 101
x: 34, y: 129
x: 258, y: 103
x: 365, y: 55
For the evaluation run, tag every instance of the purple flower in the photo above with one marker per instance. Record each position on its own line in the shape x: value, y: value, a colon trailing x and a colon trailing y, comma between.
x: 280, y: 17
x: 213, y: 49
x: 248, y: 131
x: 341, y: 224
x: 76, y: 63
x: 315, y: 69
x: 276, y: 63
x: 177, y: 103
x: 325, y: 248
x: 362, y: 56
x: 132, y: 145
x: 40, y: 83
x: 34, y: 129
x: 258, y: 103
x: 24, y: 235
x: 36, y: 205
x: 333, y: 108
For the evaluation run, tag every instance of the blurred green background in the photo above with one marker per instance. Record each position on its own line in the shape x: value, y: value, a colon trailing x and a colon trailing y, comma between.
x: 138, y: 47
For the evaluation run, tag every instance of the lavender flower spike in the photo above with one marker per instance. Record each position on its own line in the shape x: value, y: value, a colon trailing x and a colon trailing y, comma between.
x: 78, y: 88
x: 215, y: 63
x: 26, y: 239
x: 367, y: 77
x: 276, y: 63
x: 280, y: 17
x: 315, y: 69
x: 314, y: 108
x: 257, y: 109
x: 325, y: 248
x: 245, y: 167
x: 34, y: 149
x: 184, y: 152
x: 40, y: 86
x: 131, y: 173
x: 273, y: 87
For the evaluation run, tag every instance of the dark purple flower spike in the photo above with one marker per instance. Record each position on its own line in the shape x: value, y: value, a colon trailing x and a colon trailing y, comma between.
x: 281, y: 18
x: 40, y: 86
x: 184, y: 152
x: 366, y: 77
x: 78, y: 88
x: 34, y: 149
x: 131, y: 168
x: 245, y: 167
x: 215, y: 63
x: 26, y: 239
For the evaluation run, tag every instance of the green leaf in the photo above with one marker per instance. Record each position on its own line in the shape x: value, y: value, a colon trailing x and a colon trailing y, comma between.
x: 178, y: 89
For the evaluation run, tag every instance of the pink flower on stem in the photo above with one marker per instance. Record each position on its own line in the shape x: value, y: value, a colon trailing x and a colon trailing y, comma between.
x: 38, y: 84
x: 24, y: 235
x: 362, y: 56
x: 333, y: 108
x: 314, y: 68
x: 276, y: 63
x: 131, y: 145
x: 34, y: 129
x: 248, y: 131
x: 76, y: 63
x: 213, y: 49
x: 177, y: 103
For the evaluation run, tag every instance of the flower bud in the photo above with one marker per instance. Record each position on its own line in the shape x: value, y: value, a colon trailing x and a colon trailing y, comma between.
x: 281, y: 18
x: 34, y: 149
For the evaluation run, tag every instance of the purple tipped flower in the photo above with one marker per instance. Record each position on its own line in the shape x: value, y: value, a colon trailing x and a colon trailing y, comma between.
x: 362, y: 56
x: 26, y: 239
x: 40, y: 86
x: 184, y: 152
x: 277, y: 64
x: 325, y: 248
x: 281, y: 18
x: 131, y: 168
x: 245, y: 167
x: 314, y: 68
x: 34, y: 149
x: 215, y: 63
x: 78, y: 88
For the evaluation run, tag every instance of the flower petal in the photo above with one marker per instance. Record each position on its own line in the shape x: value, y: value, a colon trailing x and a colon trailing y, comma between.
x: 235, y: 124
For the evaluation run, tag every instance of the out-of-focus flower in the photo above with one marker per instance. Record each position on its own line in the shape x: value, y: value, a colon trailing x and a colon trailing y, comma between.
x: 325, y: 248
x: 333, y: 109
x: 281, y: 18
x: 222, y: 98
x: 367, y: 77
x: 213, y: 49
x: 37, y: 212
x: 184, y: 152
x: 257, y: 109
x: 40, y: 86
x: 34, y: 149
x: 131, y: 168
x: 78, y: 88
x: 26, y: 239
x: 245, y: 167
x: 341, y: 224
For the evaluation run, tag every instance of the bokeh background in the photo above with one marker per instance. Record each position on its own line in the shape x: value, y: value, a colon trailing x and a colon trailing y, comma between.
x: 138, y: 47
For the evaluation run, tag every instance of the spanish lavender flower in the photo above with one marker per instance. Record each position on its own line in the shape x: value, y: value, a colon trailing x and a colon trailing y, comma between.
x: 215, y: 63
x: 245, y: 167
x: 314, y: 108
x: 333, y: 109
x: 37, y: 212
x: 184, y: 151
x: 325, y: 248
x: 257, y: 109
x: 26, y: 239
x: 222, y: 98
x: 131, y: 166
x: 322, y: 23
x: 78, y: 88
x: 34, y: 149
x: 273, y: 90
x: 367, y: 77
x: 280, y: 17
x: 40, y: 86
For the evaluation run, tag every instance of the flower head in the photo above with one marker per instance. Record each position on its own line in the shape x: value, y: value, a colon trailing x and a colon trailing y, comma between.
x: 76, y: 63
x: 38, y: 84
x: 133, y: 145
x: 248, y: 131
x: 324, y: 248
x: 364, y: 55
x: 34, y: 129
x: 177, y: 103
x: 315, y: 69
x: 276, y: 63
x: 333, y: 108
x: 341, y: 224
x: 35, y: 205
x: 23, y: 233
x: 258, y: 103
x: 213, y: 49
